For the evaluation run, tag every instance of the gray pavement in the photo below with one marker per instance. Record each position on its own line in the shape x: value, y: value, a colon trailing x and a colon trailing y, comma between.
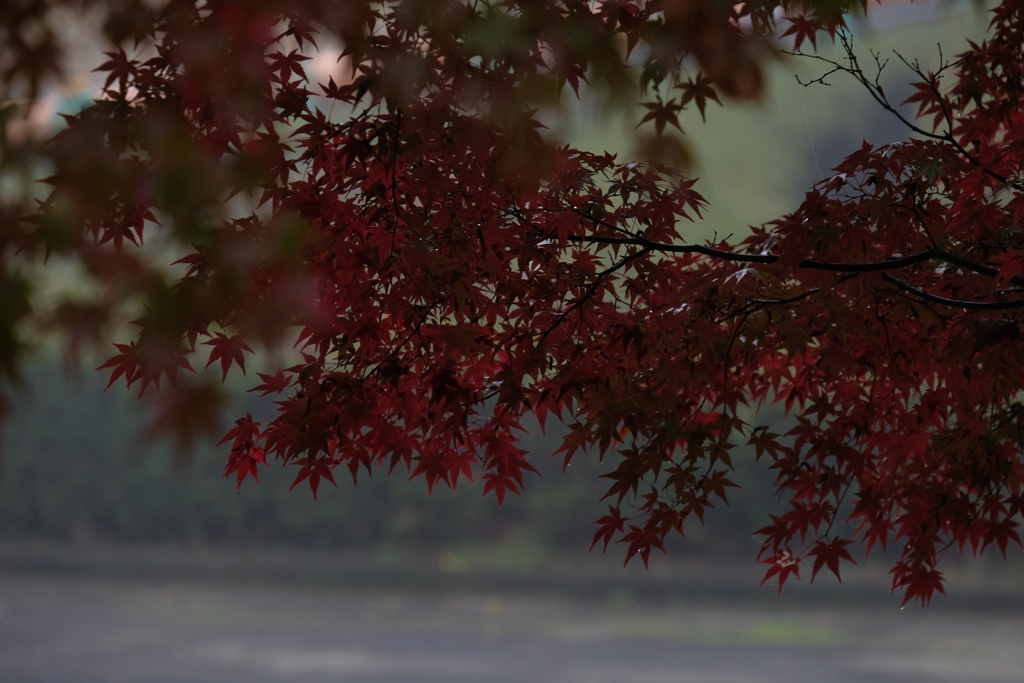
x: 66, y: 628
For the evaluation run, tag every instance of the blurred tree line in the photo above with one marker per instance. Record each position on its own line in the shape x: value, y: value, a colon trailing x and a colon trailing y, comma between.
x: 74, y: 470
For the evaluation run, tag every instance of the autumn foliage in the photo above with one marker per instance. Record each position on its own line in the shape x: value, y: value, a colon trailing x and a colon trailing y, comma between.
x: 445, y: 269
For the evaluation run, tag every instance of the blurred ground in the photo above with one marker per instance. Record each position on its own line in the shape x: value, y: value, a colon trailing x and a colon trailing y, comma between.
x: 162, y: 615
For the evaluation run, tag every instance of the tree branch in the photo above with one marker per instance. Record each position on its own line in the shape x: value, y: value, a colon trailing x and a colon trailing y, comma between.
x: 837, y: 266
x: 651, y: 245
x: 874, y: 266
x: 955, y: 303
x: 648, y: 246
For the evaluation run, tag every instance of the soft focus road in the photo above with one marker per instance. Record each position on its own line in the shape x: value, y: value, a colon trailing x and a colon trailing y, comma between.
x: 83, y: 630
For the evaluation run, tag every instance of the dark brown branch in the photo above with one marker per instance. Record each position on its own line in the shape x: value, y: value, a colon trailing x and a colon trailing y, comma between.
x: 955, y: 303
x: 650, y: 245
x: 590, y: 291
x: 839, y: 267
x: 876, y: 92
x: 790, y: 300
x: 911, y: 260
x: 975, y: 267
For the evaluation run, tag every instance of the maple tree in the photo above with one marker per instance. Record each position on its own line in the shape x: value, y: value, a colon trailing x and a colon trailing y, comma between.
x: 445, y: 269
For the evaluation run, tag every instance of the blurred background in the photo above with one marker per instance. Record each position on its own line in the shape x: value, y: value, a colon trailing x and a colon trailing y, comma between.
x: 119, y: 561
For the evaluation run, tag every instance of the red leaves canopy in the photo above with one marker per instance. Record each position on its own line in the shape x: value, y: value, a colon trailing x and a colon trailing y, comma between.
x: 450, y: 270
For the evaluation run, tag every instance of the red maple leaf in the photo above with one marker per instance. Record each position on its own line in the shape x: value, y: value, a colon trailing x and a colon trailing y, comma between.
x: 314, y: 469
x: 662, y: 113
x: 227, y: 349
x: 120, y: 68
x: 699, y: 90
x: 829, y: 554
x: 273, y: 384
x: 609, y: 526
x: 803, y: 28
x: 125, y: 363
x: 783, y: 565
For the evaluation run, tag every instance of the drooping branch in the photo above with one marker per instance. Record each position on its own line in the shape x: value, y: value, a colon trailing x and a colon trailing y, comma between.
x: 650, y: 245
x: 955, y: 303
x: 974, y: 267
x: 870, y: 267
x: 814, y: 264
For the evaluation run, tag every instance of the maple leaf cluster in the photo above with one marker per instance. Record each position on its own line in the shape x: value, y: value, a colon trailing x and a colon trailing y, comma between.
x: 445, y: 270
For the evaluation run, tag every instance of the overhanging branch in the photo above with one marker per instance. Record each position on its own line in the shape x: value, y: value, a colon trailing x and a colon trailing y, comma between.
x: 954, y: 303
x: 648, y: 246
x: 651, y: 245
x: 838, y: 267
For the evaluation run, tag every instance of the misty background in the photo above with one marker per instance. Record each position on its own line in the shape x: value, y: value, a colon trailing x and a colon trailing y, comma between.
x: 122, y: 561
